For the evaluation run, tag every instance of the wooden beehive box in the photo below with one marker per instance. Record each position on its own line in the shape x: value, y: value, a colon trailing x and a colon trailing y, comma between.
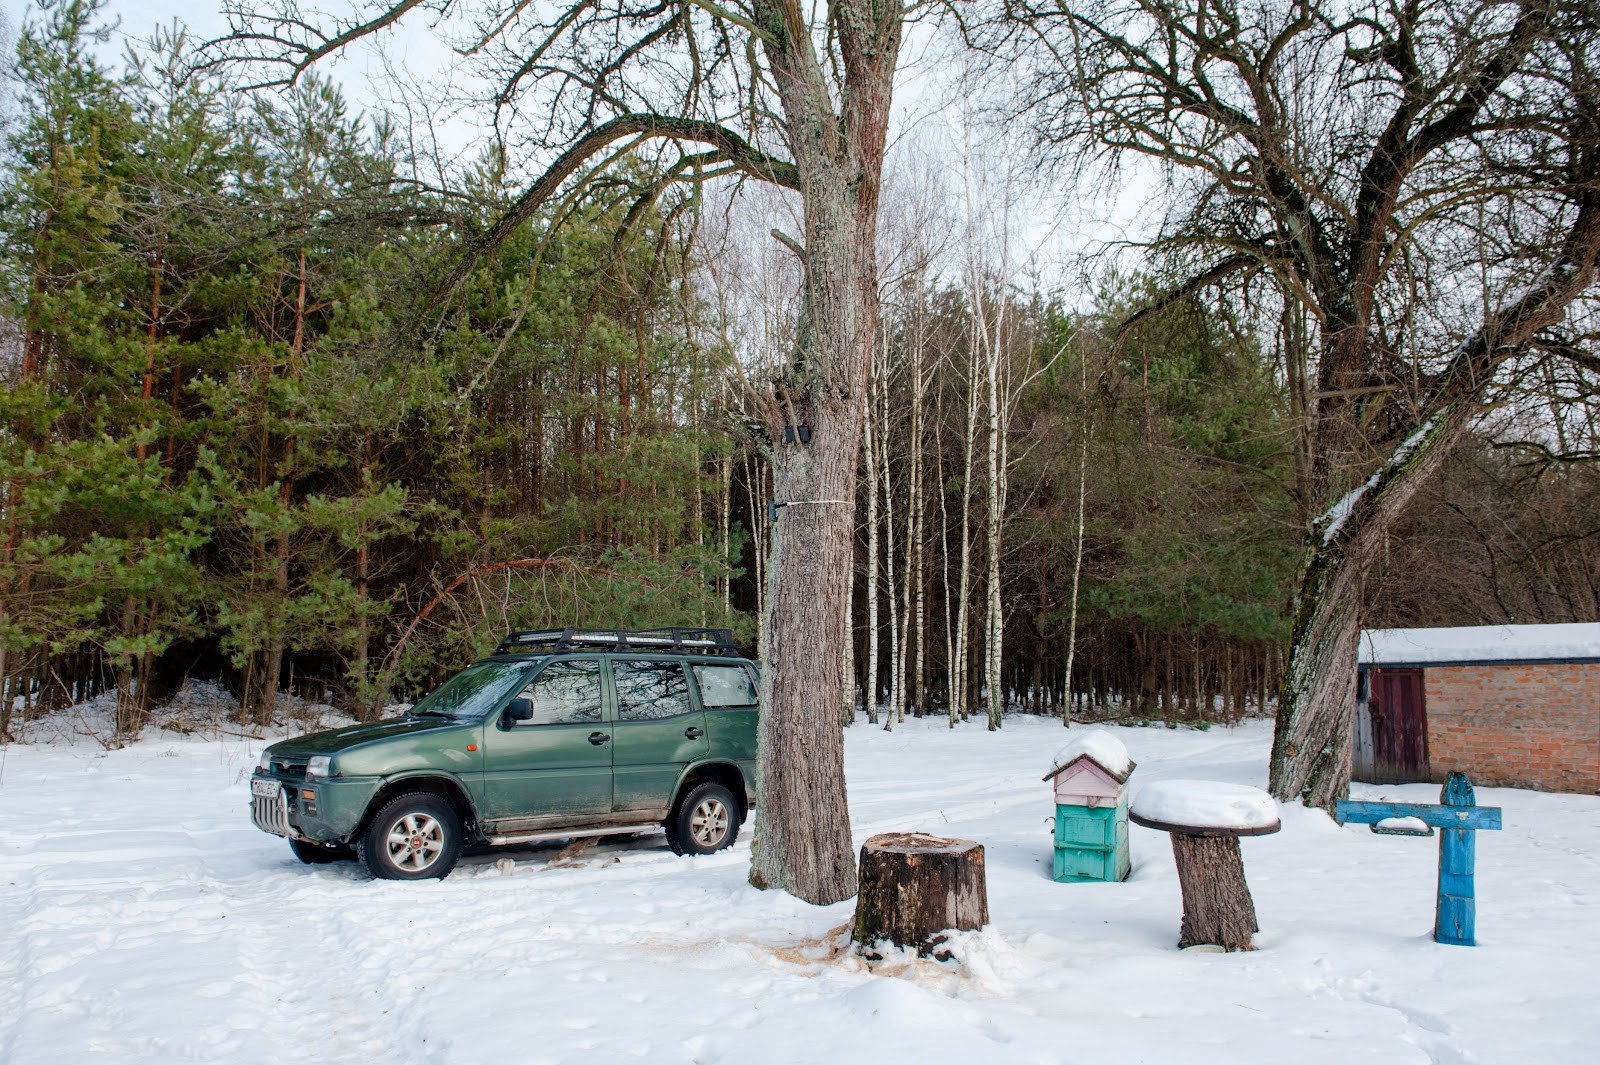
x: 1090, y: 777
x: 1085, y: 782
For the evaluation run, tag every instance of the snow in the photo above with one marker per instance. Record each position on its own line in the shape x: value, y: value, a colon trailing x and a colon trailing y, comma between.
x: 200, y: 708
x: 1109, y: 752
x: 147, y: 920
x: 1205, y: 804
x: 1480, y: 643
x: 1414, y: 825
x: 1333, y: 521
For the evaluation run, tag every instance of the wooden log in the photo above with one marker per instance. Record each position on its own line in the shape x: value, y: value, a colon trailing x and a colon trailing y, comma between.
x: 915, y: 888
x: 1217, y: 907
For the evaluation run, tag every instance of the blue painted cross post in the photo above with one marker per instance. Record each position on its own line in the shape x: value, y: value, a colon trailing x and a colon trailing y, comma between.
x: 1457, y: 818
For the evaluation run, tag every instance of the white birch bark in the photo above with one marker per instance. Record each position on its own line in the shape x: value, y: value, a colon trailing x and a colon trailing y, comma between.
x: 1077, y: 552
x: 958, y: 665
x: 915, y: 585
x: 895, y: 659
x: 994, y: 626
x: 870, y: 446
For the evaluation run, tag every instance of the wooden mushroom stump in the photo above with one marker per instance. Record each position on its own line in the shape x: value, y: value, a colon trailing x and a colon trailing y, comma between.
x: 916, y: 887
x: 1206, y: 819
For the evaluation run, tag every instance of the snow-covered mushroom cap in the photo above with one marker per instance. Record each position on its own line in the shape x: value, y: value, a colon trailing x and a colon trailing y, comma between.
x: 1099, y: 745
x: 1206, y: 804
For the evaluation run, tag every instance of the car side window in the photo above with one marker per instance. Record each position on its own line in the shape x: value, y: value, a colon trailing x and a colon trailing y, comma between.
x: 565, y: 693
x: 725, y: 687
x: 650, y: 690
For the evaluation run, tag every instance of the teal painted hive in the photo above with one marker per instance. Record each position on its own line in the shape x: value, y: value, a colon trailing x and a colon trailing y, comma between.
x: 1091, y: 842
x: 1091, y: 829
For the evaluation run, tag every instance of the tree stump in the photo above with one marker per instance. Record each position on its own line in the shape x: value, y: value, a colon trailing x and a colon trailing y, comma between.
x: 914, y: 888
x: 1217, y: 907
x: 1206, y: 819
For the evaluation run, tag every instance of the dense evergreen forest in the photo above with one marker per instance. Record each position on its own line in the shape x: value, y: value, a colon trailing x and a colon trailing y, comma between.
x: 241, y: 441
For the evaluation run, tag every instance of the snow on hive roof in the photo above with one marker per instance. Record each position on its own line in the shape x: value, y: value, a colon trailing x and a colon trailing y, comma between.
x: 1206, y: 804
x: 1480, y: 643
x: 1101, y: 747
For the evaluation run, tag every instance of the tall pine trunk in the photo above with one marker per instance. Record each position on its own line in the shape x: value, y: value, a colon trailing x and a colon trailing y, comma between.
x: 272, y: 665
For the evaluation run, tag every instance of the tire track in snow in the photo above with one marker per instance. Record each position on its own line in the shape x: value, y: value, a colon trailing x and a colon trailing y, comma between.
x: 15, y: 958
x: 274, y: 954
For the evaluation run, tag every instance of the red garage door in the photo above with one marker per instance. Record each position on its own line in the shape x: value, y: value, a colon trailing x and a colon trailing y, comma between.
x: 1399, y: 726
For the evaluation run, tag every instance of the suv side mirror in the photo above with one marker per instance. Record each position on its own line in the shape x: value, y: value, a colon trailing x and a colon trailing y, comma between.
x: 521, y: 709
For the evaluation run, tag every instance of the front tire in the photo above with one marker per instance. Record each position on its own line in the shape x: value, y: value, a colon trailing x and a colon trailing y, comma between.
x: 704, y: 821
x: 414, y: 837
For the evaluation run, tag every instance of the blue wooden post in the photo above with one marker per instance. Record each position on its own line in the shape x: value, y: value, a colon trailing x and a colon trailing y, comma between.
x: 1455, y: 916
x: 1457, y: 817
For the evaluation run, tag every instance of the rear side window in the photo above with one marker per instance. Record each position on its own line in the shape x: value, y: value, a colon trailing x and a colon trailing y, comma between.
x: 649, y: 690
x: 724, y: 686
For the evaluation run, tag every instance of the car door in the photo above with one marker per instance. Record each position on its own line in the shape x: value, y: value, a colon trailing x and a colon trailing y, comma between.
x: 728, y: 694
x: 556, y: 764
x: 658, y: 730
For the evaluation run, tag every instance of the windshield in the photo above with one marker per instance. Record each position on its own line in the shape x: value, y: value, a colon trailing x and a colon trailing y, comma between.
x: 474, y: 691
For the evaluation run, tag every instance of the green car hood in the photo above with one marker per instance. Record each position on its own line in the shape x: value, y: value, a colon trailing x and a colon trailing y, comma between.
x: 336, y: 740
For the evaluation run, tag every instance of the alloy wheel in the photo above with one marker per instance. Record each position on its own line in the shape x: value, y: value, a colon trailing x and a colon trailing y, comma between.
x: 415, y: 842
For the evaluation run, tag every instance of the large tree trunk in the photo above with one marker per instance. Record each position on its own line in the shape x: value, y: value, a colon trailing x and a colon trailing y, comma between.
x: 803, y: 821
x: 803, y: 840
x: 1311, y: 748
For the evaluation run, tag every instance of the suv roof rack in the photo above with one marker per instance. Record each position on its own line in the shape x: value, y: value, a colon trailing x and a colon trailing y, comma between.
x: 670, y: 641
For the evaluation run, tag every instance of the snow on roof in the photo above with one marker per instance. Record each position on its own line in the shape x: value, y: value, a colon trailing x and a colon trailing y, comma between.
x: 1100, y: 746
x: 1480, y: 643
x: 1206, y: 804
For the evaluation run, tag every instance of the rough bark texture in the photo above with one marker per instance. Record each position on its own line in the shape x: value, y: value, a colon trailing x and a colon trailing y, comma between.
x: 1487, y: 103
x: 1217, y: 907
x: 1311, y: 751
x: 914, y: 888
x: 803, y: 822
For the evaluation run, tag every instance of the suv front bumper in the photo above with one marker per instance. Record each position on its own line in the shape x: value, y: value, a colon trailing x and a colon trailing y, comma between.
x: 326, y: 811
x: 269, y: 806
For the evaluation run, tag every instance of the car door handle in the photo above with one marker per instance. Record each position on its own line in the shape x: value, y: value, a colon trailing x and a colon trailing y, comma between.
x: 597, y: 738
x: 693, y: 733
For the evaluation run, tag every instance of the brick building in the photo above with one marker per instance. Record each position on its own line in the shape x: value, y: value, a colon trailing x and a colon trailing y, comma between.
x: 1511, y: 705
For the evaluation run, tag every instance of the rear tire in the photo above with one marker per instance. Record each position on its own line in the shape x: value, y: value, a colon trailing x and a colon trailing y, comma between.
x: 321, y: 853
x: 704, y: 821
x: 413, y: 837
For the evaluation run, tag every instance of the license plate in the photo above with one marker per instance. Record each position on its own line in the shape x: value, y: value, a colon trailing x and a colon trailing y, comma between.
x: 267, y: 789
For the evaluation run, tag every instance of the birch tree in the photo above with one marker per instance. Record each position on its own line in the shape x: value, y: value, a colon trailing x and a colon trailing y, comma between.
x: 871, y: 442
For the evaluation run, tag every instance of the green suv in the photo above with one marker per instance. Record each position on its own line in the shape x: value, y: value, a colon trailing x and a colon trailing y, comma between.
x: 558, y: 734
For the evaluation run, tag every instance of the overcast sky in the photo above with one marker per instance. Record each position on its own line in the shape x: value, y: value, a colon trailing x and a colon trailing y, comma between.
x: 1054, y: 225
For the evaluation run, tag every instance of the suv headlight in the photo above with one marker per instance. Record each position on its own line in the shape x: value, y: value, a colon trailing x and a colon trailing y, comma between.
x: 264, y: 763
x: 320, y: 766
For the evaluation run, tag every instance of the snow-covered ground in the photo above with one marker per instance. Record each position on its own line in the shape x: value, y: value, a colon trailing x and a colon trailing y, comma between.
x: 145, y: 919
